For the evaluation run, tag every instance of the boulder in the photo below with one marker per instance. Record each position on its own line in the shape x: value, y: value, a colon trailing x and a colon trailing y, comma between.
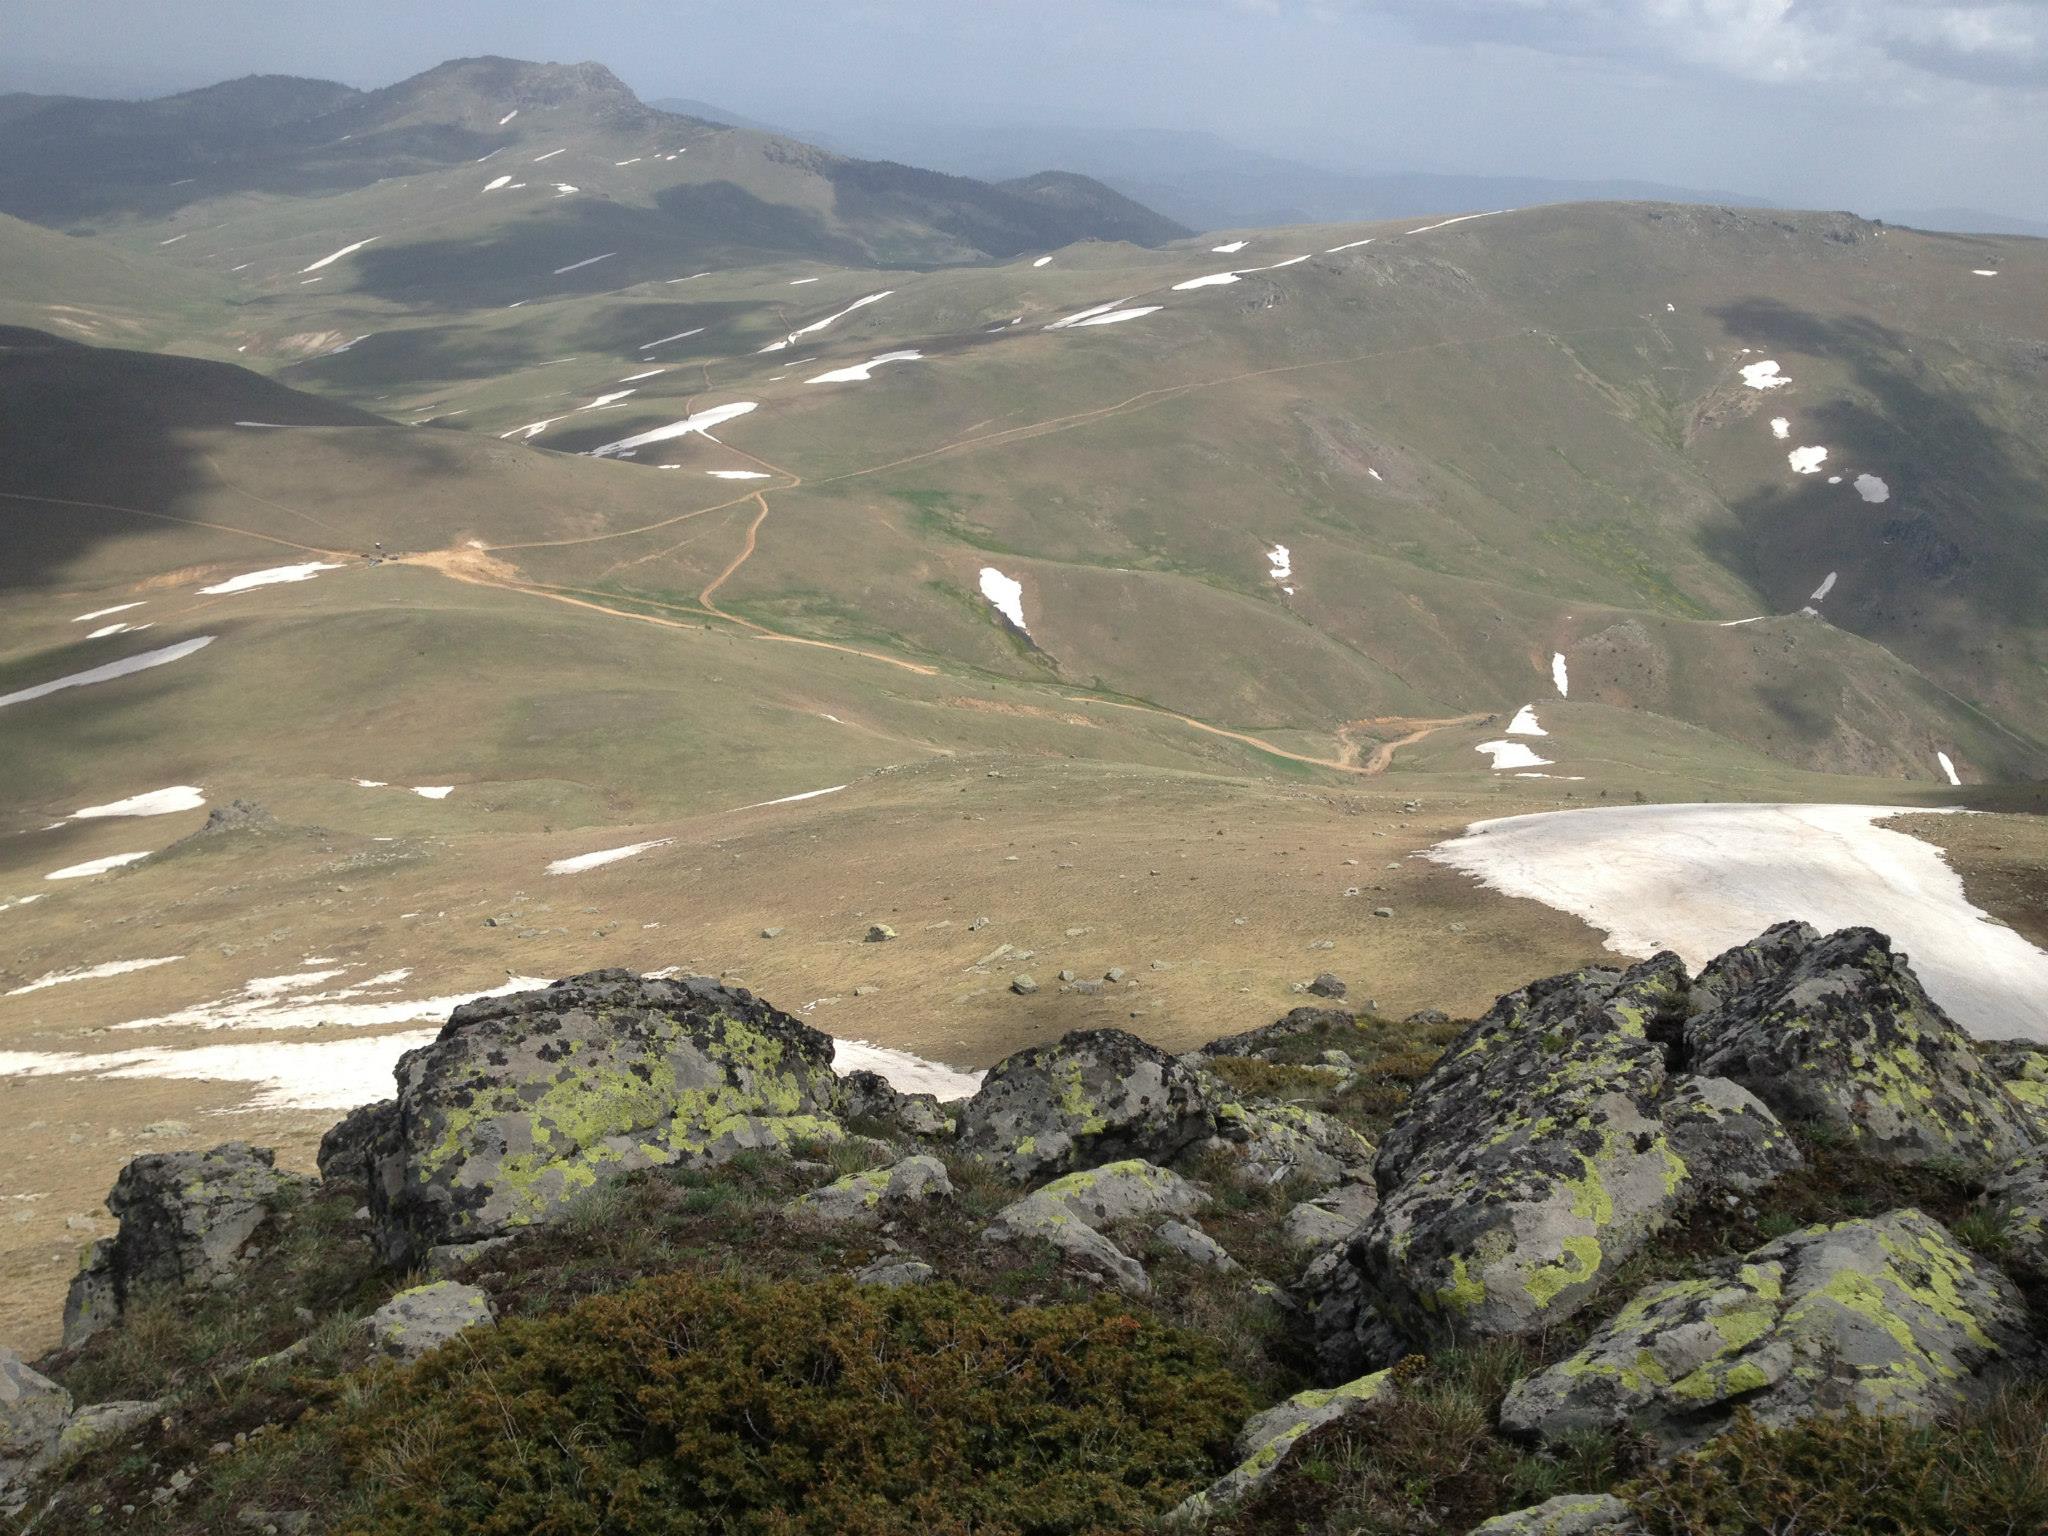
x: 354, y: 1151
x: 2022, y: 1065
x: 1300, y: 1021
x: 524, y: 1101
x: 1096, y: 1094
x: 1838, y: 1030
x: 1329, y: 1219
x: 1326, y: 985
x: 1351, y: 1338
x: 894, y: 1271
x: 1883, y: 1316
x: 1070, y: 1214
x: 1569, y: 1514
x: 426, y: 1317
x: 1194, y: 1245
x: 877, y: 1194
x: 90, y: 1428
x: 1277, y: 1141
x: 2017, y: 1199
x: 186, y: 1220
x: 32, y: 1413
x: 1727, y: 1135
x: 871, y: 1096
x: 1267, y: 1438
x: 1531, y: 1160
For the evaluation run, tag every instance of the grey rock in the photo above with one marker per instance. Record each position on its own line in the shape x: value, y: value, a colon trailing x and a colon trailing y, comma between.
x: 426, y: 1317
x: 1260, y: 1042
x: 880, y: 933
x: 1023, y: 986
x: 1194, y: 1245
x: 351, y: 1152
x: 1838, y: 1030
x: 1727, y: 1136
x: 1268, y: 1438
x: 1114, y: 974
x: 445, y: 1259
x: 1888, y: 1315
x: 1276, y: 1141
x: 894, y: 1272
x: 188, y: 1220
x: 1428, y: 1017
x: 1569, y: 1514
x: 1326, y: 985
x: 875, y: 1195
x: 1094, y: 1095
x: 33, y: 1410
x: 1330, y: 1218
x: 1382, y: 911
x: 1071, y: 1212
x: 1531, y: 1159
x: 526, y: 1100
x: 871, y: 1096
x: 1351, y: 1338
x: 90, y: 1428
x: 771, y: 933
x: 2017, y: 1199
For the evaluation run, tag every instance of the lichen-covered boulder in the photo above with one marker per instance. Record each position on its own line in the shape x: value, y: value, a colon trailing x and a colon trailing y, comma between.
x: 90, y: 1428
x: 187, y: 1220
x: 426, y: 1317
x: 1094, y: 1095
x: 1838, y: 1030
x: 32, y: 1413
x: 1328, y: 1219
x: 871, y: 1096
x: 1259, y: 1043
x: 1281, y: 1141
x: 2022, y: 1065
x: 353, y: 1151
x: 1531, y: 1160
x: 1267, y: 1438
x: 526, y: 1100
x: 878, y: 1193
x: 1071, y: 1212
x: 1727, y: 1135
x: 1882, y: 1316
x: 2017, y: 1199
x: 1569, y: 1514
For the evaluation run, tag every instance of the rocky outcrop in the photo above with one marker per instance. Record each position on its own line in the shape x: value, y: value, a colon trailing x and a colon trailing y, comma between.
x: 1095, y: 1095
x: 1724, y: 1131
x: 1569, y: 1514
x: 1886, y: 1316
x: 1259, y: 1043
x: 1070, y: 1214
x: 1330, y: 1218
x: 1267, y: 1439
x: 1283, y: 1141
x: 877, y: 1194
x: 1531, y: 1160
x: 426, y: 1317
x: 2017, y: 1199
x: 361, y: 1146
x: 90, y: 1428
x: 32, y: 1413
x: 187, y: 1220
x: 525, y: 1100
x: 1839, y: 1031
x: 871, y: 1096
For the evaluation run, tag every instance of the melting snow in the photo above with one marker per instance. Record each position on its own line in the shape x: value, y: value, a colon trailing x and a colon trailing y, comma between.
x: 21, y: 901
x: 604, y: 400
x: 729, y: 474
x: 799, y: 282
x: 1218, y: 279
x: 819, y: 325
x: 1114, y: 317
x: 583, y: 861
x: 906, y: 1073
x: 1076, y: 319
x: 1806, y: 461
x: 1043, y: 261
x: 1871, y: 488
x: 1282, y: 561
x: 1732, y: 623
x: 1947, y: 767
x: 269, y: 578
x: 94, y: 973
x: 94, y: 866
x: 433, y: 791
x: 702, y: 421
x: 1780, y: 427
x: 809, y: 794
x: 634, y: 161
x: 860, y: 373
x: 107, y: 630
x: 531, y: 430
x: 1006, y: 594
x: 158, y: 802
x: 1524, y: 723
x: 1701, y: 878
x: 501, y: 181
x: 1560, y: 676
x: 346, y: 250
x: 1231, y: 249
x: 1349, y: 245
x: 537, y: 159
x: 111, y: 670
x: 174, y: 239
x: 664, y: 341
x: 506, y: 119
x: 1983, y: 271
x: 635, y: 377
x: 1764, y: 375
x: 563, y: 189
x: 1511, y: 754
x: 1460, y: 219
x: 101, y: 613
x: 1823, y: 589
x: 588, y: 261
x: 371, y: 783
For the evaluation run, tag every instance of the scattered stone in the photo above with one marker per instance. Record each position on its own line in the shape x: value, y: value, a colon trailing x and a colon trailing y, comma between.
x: 1722, y: 1130
x: 1323, y: 944
x: 771, y: 933
x: 1071, y: 1212
x: 1095, y: 1094
x: 1114, y: 974
x: 876, y: 1194
x: 32, y: 1413
x: 1427, y: 1018
x: 1276, y: 1141
x: 524, y: 1101
x: 1382, y: 911
x: 865, y: 990
x: 1076, y: 933
x: 1839, y: 1030
x: 426, y: 1317
x: 977, y: 925
x: 1259, y: 1042
x: 1267, y: 1438
x: 2017, y: 1199
x: 1888, y: 1315
x: 1066, y: 975
x: 1569, y: 1514
x: 446, y: 1259
x: 92, y: 1427
x: 880, y: 933
x: 1326, y: 985
x: 894, y: 1273
x: 1023, y: 986
x: 1194, y: 1245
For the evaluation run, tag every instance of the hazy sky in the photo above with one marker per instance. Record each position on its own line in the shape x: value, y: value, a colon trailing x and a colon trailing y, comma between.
x: 1834, y: 103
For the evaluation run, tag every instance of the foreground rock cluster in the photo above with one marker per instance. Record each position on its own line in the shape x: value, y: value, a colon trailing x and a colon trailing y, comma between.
x: 1549, y: 1146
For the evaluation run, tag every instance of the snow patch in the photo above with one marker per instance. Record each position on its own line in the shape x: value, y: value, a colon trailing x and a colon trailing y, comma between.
x: 538, y: 159
x: 664, y: 341
x: 1043, y: 261
x: 588, y: 261
x: 157, y: 802
x: 860, y: 373
x: 1006, y: 595
x: 1806, y: 461
x: 1701, y: 878
x: 702, y: 421
x: 1511, y: 754
x: 809, y: 794
x: 1114, y: 317
x: 1560, y: 676
x: 113, y: 669
x: 730, y: 474
x: 1948, y: 767
x: 1349, y: 245
x: 1460, y: 219
x: 94, y: 866
x: 819, y: 325
x: 583, y: 861
x: 346, y: 250
x: 632, y: 378
x: 1873, y: 489
x: 1524, y: 723
x: 1983, y: 271
x: 1764, y: 375
x: 906, y: 1073
x: 1824, y: 588
x: 1281, y: 559
x: 1231, y: 249
x: 433, y: 791
x: 506, y: 119
x: 270, y: 578
x: 101, y: 613
x: 1780, y: 428
x: 500, y: 182
x: 93, y: 973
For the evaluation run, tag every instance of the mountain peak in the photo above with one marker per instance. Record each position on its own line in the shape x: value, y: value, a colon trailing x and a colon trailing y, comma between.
x: 489, y: 87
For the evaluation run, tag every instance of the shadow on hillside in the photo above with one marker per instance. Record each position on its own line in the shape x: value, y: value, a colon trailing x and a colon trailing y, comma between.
x: 103, y: 426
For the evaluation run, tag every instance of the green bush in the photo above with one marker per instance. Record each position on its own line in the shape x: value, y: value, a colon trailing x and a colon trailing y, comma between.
x: 1985, y: 1473
x: 687, y: 1405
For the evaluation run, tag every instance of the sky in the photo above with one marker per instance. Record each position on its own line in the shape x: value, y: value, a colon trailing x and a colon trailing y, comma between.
x: 1862, y: 104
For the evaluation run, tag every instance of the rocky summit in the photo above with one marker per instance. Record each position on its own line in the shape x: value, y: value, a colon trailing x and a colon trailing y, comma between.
x: 1633, y: 1248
